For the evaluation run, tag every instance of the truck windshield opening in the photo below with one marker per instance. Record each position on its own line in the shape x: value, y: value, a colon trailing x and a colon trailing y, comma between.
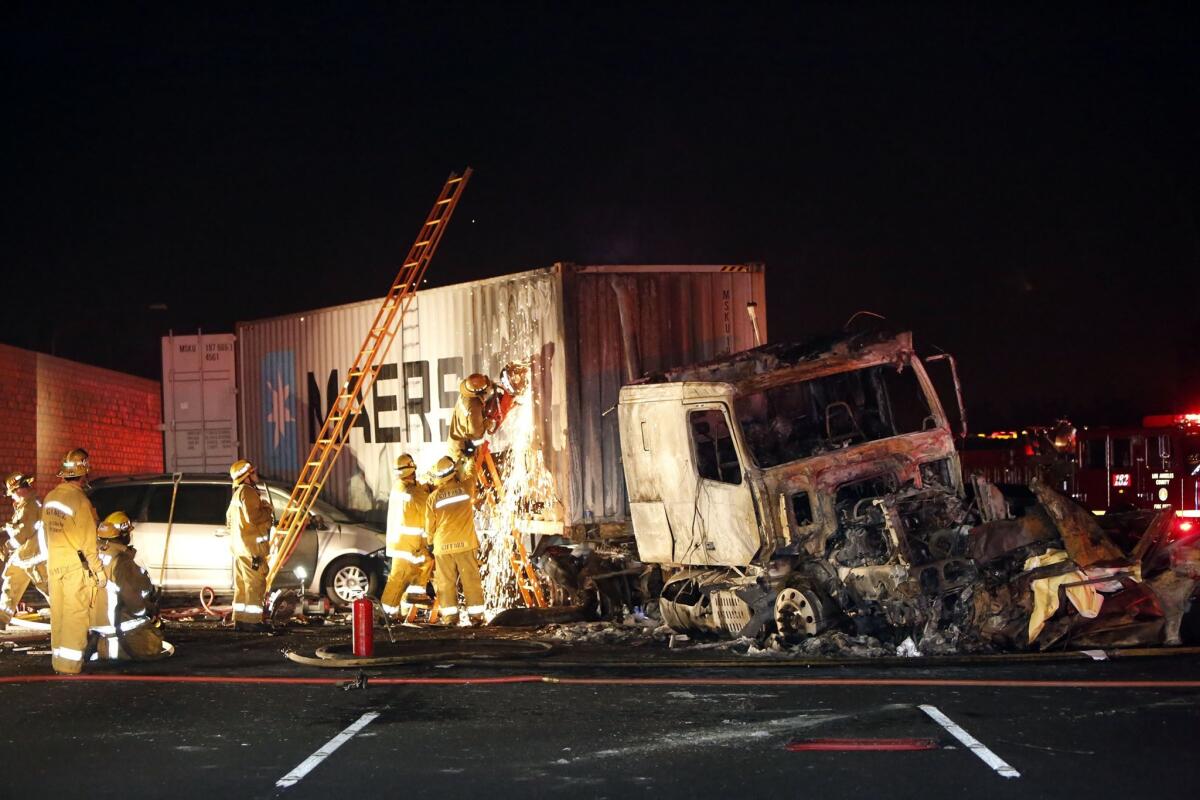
x: 801, y: 420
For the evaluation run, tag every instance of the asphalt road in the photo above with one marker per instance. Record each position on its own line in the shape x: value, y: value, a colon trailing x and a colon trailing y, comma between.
x: 614, y: 732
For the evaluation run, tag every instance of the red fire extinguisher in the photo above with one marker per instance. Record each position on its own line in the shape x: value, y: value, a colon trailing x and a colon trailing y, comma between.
x: 363, y: 627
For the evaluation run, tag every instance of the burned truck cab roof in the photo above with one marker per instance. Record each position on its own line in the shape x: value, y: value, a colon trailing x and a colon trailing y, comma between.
x: 732, y: 461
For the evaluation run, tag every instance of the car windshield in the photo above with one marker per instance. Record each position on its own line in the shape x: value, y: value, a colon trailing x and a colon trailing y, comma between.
x: 800, y: 420
x: 279, y: 498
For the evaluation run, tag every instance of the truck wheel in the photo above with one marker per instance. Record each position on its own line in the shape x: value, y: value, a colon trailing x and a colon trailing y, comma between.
x: 349, y: 578
x: 800, y: 612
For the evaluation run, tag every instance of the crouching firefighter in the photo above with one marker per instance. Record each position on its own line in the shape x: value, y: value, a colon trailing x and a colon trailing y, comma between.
x: 125, y: 622
x: 407, y: 543
x: 450, y: 521
x: 249, y: 519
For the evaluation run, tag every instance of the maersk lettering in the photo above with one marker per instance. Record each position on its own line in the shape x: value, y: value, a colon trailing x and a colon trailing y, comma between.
x: 418, y: 403
x: 385, y: 402
x: 451, y: 368
x: 318, y: 412
x: 386, y: 393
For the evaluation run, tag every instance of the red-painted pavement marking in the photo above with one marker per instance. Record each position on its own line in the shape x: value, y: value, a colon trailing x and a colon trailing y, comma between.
x: 801, y: 745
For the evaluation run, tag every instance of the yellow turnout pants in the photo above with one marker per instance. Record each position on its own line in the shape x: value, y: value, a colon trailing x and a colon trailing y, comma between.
x: 449, y: 569
x: 249, y: 586
x: 404, y: 579
x: 16, y: 581
x: 72, y: 592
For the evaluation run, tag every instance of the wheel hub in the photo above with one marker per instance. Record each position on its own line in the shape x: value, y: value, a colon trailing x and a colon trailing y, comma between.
x: 797, y: 615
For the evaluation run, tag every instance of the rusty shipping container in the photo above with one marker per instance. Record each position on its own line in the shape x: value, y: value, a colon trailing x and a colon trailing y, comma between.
x: 583, y: 328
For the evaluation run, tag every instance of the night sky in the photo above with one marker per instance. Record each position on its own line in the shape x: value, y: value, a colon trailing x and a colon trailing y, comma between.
x: 1019, y: 187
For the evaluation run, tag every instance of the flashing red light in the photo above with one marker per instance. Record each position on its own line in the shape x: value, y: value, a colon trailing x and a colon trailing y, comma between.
x: 1171, y: 420
x: 1185, y: 526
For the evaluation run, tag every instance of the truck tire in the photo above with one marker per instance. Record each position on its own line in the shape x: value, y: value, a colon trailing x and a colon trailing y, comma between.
x: 802, y: 611
x: 349, y: 578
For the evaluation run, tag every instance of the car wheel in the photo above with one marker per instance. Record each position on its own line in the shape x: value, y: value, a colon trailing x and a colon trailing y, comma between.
x: 349, y: 578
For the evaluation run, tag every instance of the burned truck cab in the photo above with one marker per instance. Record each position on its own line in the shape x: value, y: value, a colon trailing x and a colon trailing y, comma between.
x: 796, y: 486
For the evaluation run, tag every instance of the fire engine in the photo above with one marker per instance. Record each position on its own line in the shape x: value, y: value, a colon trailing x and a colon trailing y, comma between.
x: 1153, y: 466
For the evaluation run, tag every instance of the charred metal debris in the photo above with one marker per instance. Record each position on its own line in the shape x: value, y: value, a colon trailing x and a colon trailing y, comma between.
x: 810, y: 496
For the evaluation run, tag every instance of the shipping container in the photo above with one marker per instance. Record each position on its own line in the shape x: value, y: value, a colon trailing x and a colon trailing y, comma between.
x: 585, y: 330
x: 199, y: 402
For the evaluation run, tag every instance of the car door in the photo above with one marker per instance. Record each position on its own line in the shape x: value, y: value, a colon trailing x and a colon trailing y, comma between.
x: 197, y: 552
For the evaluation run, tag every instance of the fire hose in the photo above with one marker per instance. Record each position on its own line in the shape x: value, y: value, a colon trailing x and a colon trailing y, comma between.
x: 207, y: 596
x: 337, y: 657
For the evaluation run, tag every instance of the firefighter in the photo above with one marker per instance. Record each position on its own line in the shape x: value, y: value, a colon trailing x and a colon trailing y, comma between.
x: 125, y: 622
x: 468, y: 423
x: 407, y: 543
x: 74, y: 565
x: 450, y: 521
x: 249, y: 519
x: 27, y: 538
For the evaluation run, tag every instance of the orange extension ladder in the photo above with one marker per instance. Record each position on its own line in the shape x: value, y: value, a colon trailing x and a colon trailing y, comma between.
x: 348, y: 404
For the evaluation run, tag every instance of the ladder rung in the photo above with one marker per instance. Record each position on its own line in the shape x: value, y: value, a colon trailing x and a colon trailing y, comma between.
x: 454, y: 180
x: 412, y: 263
x: 433, y: 222
x: 422, y: 244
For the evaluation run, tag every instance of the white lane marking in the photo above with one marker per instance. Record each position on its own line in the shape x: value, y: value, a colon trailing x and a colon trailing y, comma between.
x: 307, y: 766
x: 977, y: 747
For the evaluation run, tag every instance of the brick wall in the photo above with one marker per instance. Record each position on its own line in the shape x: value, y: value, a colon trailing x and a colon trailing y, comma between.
x: 49, y: 405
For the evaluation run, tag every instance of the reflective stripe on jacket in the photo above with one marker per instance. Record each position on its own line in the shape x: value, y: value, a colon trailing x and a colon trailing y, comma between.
x: 249, y: 521
x: 70, y: 524
x: 406, y: 519
x: 450, y: 517
x: 467, y: 422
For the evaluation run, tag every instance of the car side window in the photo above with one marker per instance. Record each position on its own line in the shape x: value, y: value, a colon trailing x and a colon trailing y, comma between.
x: 716, y: 457
x: 107, y: 499
x: 195, y: 504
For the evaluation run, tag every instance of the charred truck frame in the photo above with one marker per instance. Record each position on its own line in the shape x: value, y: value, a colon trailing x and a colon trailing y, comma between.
x: 798, y: 485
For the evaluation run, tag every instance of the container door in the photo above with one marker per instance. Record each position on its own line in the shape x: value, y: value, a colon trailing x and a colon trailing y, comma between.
x: 721, y: 526
x: 199, y: 403
x: 198, y: 553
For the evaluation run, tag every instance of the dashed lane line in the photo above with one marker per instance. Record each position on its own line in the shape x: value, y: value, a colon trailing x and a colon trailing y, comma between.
x: 326, y: 750
x: 974, y: 745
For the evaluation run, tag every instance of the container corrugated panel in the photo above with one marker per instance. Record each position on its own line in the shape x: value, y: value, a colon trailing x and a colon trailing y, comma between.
x: 563, y: 319
x: 678, y: 315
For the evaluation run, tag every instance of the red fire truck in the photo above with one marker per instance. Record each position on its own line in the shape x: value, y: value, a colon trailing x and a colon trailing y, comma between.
x: 1152, y: 466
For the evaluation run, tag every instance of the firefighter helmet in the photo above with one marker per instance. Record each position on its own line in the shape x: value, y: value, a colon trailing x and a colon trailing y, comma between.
x: 75, y: 464
x: 405, y: 466
x: 16, y: 480
x: 445, y: 467
x: 475, y: 385
x: 513, y: 377
x: 115, y: 526
x: 240, y: 470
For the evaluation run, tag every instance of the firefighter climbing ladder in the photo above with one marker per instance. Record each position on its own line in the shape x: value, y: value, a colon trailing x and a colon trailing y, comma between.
x: 348, y: 404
